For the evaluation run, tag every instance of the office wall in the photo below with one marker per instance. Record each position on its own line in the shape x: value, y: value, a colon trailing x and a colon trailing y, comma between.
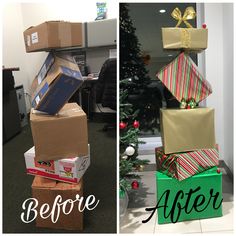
x: 19, y: 16
x: 219, y: 72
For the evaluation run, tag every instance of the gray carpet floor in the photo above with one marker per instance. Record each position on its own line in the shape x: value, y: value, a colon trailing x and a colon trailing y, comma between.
x: 99, y: 180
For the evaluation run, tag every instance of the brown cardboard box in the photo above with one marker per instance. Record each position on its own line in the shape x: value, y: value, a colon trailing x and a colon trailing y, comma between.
x: 185, y: 130
x: 184, y: 38
x: 62, y: 136
x: 46, y: 190
x: 53, y: 34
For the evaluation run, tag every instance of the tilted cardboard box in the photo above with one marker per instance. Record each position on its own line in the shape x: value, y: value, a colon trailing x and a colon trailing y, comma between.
x: 58, y: 79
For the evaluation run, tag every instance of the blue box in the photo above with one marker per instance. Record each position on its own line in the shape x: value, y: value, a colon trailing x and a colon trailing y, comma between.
x: 57, y: 80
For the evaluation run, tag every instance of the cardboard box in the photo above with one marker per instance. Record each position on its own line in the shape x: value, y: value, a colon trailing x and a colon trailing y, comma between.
x: 61, y: 136
x: 186, y: 164
x: 185, y: 130
x: 53, y: 34
x: 69, y: 170
x: 201, y: 197
x: 183, y: 79
x: 58, y: 79
x: 184, y: 38
x: 46, y: 190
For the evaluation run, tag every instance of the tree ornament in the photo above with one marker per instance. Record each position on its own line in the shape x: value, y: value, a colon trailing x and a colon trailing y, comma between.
x: 204, y: 26
x: 136, y: 124
x: 129, y: 151
x: 122, y: 125
x: 135, y: 184
x: 140, y: 168
x: 218, y: 170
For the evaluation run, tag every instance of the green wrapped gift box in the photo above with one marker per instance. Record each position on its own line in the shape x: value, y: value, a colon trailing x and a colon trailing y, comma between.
x: 197, y: 197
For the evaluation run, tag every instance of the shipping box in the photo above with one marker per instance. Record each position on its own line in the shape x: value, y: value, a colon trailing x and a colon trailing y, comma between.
x: 53, y: 34
x: 68, y: 170
x: 197, y: 197
x: 46, y: 191
x: 186, y: 164
x: 184, y: 38
x: 58, y: 79
x: 61, y: 136
x: 185, y: 130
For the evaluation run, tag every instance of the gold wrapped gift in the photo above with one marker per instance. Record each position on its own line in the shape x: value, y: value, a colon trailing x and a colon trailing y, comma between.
x: 186, y: 38
x: 187, y: 129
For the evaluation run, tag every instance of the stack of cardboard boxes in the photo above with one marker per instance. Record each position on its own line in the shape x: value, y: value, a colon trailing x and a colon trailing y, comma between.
x: 60, y: 155
x: 189, y: 184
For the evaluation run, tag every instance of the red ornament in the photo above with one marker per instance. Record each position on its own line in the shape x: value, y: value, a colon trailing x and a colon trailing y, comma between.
x: 204, y: 26
x: 218, y: 171
x: 136, y: 124
x: 188, y: 106
x: 135, y: 184
x: 122, y: 125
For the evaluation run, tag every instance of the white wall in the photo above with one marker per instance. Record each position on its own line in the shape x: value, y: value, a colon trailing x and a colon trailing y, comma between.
x: 13, y: 42
x: 19, y: 16
x: 219, y: 72
x: 228, y: 77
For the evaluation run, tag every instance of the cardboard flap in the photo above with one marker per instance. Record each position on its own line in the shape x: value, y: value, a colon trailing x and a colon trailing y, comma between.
x: 40, y: 182
x: 65, y: 186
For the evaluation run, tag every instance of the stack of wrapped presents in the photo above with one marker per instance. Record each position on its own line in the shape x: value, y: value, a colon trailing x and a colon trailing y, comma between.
x: 189, y: 184
x: 61, y: 153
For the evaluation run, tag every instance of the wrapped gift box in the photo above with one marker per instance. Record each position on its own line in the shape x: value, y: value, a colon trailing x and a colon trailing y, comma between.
x: 184, y: 38
x: 61, y: 136
x: 53, y: 34
x: 68, y: 170
x: 185, y: 165
x: 199, y: 197
x: 46, y: 190
x: 183, y: 80
x: 185, y: 130
x: 58, y: 79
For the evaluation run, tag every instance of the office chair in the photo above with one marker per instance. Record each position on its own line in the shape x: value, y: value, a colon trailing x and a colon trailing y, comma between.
x: 106, y: 88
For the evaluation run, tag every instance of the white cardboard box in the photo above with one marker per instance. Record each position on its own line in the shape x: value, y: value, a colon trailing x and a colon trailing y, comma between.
x: 68, y: 170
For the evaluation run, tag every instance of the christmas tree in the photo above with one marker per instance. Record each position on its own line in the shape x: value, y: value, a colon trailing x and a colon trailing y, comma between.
x: 133, y: 81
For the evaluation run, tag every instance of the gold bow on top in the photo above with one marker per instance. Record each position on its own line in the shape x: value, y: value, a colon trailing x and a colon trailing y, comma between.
x: 189, y: 14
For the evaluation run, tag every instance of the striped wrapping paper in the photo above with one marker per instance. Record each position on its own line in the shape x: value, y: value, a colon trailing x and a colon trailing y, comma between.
x: 184, y: 165
x: 183, y: 79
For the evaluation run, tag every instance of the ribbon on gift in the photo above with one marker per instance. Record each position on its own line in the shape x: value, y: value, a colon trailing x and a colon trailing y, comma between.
x: 189, y: 14
x: 189, y: 104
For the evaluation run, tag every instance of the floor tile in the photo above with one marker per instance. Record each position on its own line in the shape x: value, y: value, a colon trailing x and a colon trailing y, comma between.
x: 145, y: 196
x: 192, y: 226
x: 223, y: 223
x: 220, y: 232
x: 132, y: 222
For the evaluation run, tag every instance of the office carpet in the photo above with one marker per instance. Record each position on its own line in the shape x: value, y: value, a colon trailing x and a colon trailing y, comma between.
x: 99, y: 180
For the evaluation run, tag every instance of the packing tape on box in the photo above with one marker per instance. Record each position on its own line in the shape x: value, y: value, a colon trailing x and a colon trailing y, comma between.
x: 68, y: 112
